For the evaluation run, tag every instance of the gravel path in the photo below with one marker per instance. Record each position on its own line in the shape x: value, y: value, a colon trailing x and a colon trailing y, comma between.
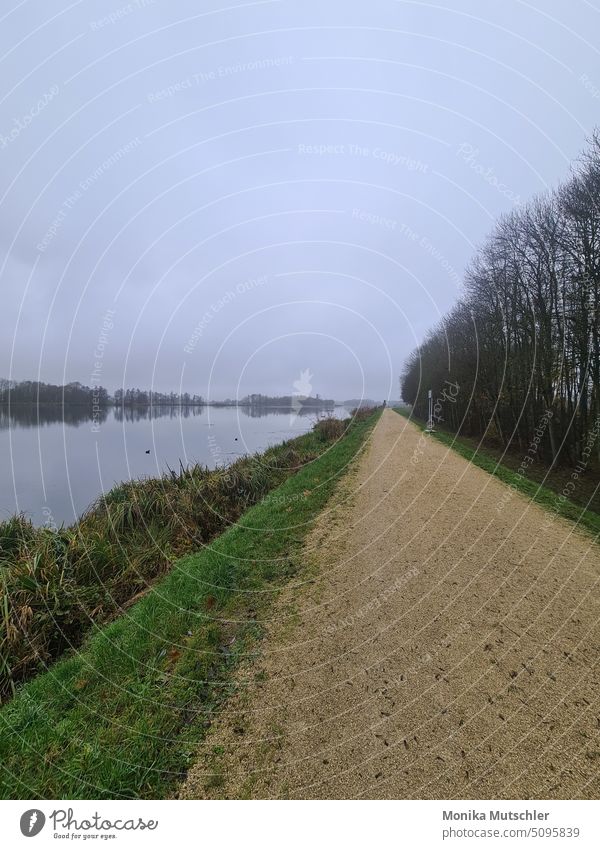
x: 446, y: 647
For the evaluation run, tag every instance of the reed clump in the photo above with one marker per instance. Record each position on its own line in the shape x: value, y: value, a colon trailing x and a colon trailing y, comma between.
x: 330, y: 429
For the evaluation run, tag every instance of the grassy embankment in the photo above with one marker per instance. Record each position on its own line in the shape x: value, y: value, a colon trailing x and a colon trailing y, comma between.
x: 56, y: 584
x: 122, y: 717
x: 505, y: 466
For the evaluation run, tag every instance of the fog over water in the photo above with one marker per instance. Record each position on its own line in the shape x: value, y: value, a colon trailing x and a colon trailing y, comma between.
x: 245, y: 192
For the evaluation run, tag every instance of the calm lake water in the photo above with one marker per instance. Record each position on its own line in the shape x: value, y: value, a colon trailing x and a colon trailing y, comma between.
x: 53, y: 465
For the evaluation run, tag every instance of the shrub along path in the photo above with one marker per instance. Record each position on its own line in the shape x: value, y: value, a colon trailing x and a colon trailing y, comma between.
x: 447, y: 647
x: 122, y: 718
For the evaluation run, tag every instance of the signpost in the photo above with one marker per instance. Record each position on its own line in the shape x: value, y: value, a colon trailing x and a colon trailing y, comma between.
x: 430, y: 428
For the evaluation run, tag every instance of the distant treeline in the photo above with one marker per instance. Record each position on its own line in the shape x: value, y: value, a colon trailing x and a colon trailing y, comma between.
x: 34, y: 392
x: 518, y: 358
x: 145, y: 397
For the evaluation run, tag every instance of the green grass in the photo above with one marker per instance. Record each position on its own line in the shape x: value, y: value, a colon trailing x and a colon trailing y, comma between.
x: 123, y: 717
x: 56, y: 584
x: 543, y: 495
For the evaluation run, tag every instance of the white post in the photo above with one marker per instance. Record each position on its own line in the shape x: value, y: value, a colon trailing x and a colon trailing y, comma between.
x: 429, y: 428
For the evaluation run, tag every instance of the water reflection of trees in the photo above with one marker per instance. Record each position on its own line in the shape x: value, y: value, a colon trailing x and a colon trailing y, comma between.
x: 257, y: 412
x: 36, y: 415
x: 74, y: 415
x: 141, y: 413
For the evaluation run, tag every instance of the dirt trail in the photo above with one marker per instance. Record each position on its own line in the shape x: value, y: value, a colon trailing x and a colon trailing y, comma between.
x: 447, y: 647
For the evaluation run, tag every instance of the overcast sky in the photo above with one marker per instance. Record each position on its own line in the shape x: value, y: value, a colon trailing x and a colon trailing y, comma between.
x: 222, y: 197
